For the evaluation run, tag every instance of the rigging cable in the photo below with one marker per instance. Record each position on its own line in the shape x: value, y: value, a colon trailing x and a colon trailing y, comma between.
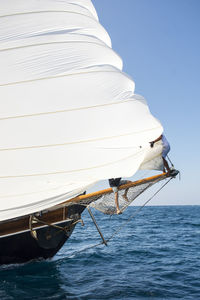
x: 170, y: 161
x: 137, y: 211
x: 173, y: 166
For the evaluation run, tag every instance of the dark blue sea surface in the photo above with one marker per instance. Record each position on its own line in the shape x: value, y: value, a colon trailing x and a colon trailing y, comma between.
x: 155, y: 256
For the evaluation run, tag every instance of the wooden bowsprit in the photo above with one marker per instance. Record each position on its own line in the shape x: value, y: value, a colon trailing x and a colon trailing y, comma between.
x: 103, y: 200
x: 119, y: 229
x: 91, y: 197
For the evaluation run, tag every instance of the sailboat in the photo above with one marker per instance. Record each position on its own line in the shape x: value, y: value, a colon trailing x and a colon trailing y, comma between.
x: 69, y: 119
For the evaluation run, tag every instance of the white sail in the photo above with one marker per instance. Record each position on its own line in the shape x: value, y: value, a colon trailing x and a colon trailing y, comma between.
x: 68, y: 114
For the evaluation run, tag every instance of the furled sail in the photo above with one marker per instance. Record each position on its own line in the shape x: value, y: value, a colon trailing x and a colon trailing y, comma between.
x: 69, y: 116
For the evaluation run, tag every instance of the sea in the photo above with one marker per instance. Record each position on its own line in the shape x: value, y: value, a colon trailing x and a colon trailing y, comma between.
x: 154, y: 253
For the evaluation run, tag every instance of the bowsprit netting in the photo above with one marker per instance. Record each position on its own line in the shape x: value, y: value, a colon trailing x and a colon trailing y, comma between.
x: 106, y: 203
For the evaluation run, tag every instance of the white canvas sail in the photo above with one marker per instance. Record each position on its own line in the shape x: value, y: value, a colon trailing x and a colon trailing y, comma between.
x: 68, y: 114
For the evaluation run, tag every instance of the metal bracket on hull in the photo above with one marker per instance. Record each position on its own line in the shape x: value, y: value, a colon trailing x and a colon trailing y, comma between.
x: 34, y: 220
x: 32, y: 231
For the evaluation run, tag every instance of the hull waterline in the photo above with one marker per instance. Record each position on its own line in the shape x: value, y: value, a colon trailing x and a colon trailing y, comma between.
x: 38, y: 242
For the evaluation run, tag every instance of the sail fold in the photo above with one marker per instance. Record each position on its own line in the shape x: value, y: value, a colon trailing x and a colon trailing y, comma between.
x: 69, y: 115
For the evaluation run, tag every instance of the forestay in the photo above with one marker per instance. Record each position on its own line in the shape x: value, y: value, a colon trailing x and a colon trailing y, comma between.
x: 69, y: 116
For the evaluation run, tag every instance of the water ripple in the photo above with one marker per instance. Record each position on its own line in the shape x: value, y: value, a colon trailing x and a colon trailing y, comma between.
x: 156, y: 256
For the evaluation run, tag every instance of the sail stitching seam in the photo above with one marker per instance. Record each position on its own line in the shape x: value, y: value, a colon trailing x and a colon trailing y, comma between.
x: 71, y: 171
x: 59, y: 76
x: 62, y: 42
x: 66, y: 110
x: 51, y: 11
x: 79, y: 142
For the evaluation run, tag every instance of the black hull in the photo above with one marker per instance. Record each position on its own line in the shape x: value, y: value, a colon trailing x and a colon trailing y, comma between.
x: 41, y: 243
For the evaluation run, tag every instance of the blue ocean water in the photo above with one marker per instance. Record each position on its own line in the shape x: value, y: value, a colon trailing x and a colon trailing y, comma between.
x: 155, y: 256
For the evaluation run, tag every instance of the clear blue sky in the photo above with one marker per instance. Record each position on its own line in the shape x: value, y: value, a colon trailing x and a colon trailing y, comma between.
x: 159, y: 42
